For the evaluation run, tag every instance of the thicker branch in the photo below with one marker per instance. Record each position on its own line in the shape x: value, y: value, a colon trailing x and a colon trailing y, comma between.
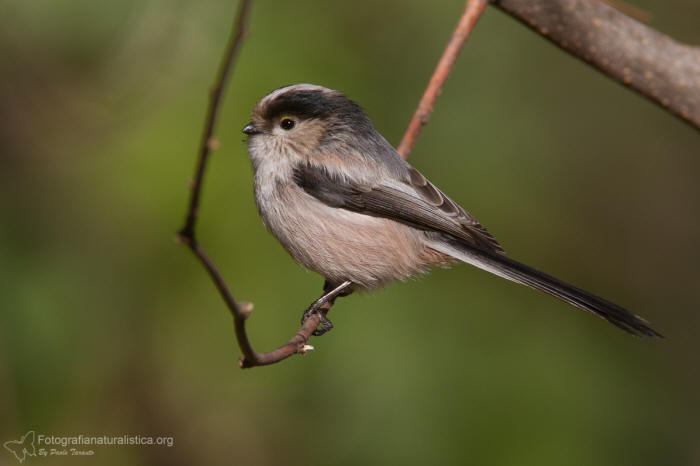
x: 663, y: 70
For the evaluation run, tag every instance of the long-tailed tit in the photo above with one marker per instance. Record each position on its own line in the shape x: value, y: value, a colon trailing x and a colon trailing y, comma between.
x: 343, y: 203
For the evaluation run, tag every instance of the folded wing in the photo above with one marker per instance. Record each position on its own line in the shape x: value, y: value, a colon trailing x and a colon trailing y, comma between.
x: 413, y: 201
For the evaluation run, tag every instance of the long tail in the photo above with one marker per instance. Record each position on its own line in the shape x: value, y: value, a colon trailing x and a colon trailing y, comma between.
x: 520, y: 273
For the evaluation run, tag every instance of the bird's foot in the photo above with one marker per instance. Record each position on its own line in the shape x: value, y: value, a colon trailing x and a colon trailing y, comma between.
x: 320, y: 310
x: 323, y: 304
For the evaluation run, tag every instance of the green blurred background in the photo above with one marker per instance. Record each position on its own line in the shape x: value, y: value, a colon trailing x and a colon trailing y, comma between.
x: 108, y: 326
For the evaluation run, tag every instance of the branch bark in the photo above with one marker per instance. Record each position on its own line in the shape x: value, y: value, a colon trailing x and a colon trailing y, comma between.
x: 663, y: 70
x: 208, y: 142
x: 239, y: 311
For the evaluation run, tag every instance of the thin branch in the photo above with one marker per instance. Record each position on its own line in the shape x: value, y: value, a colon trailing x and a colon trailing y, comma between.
x: 241, y: 311
x: 208, y: 142
x: 472, y: 12
x: 663, y: 70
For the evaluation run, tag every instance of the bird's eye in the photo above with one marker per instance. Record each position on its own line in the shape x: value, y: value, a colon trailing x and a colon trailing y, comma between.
x: 287, y: 123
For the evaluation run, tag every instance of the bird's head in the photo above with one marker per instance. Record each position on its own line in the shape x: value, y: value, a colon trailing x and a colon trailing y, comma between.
x: 298, y: 119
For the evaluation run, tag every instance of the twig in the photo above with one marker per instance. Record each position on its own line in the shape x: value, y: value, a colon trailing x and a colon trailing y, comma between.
x: 663, y: 70
x: 187, y: 232
x: 472, y: 12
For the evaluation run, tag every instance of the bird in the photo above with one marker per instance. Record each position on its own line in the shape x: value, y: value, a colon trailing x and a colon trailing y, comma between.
x: 343, y: 203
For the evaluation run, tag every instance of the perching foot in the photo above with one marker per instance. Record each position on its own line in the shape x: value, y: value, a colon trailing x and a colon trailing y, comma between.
x: 321, y: 306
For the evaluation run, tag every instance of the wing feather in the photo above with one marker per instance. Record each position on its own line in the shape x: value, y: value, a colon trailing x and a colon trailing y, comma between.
x: 413, y: 201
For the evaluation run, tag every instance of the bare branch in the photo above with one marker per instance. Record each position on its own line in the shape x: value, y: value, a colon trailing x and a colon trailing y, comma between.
x: 187, y: 232
x: 661, y: 69
x: 472, y: 12
x: 208, y: 143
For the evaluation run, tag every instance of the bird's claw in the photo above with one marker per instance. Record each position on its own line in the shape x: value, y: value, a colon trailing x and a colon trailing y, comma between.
x: 324, y: 323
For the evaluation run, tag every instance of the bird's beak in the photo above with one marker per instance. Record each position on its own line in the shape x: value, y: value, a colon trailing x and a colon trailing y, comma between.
x: 250, y: 130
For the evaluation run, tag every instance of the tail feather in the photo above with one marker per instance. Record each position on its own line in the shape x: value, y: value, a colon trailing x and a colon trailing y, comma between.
x: 520, y: 273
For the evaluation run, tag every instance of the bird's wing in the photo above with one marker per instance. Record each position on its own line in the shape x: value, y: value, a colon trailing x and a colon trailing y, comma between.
x: 413, y: 201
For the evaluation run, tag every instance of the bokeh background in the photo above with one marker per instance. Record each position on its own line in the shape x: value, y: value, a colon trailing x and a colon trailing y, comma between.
x: 108, y: 326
